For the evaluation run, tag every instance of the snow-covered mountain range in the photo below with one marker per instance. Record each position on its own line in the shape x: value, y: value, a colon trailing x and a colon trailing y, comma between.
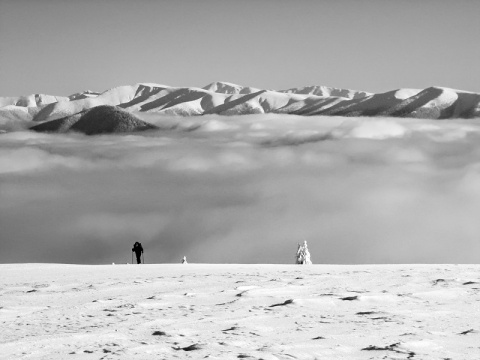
x: 224, y: 98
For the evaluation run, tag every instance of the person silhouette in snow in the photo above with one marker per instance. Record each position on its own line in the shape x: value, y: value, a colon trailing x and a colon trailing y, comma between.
x: 138, y: 249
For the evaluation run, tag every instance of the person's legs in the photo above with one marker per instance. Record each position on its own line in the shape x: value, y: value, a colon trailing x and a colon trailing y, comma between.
x: 139, y: 261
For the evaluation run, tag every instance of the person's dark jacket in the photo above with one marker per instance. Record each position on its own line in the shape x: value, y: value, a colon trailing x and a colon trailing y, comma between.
x: 137, y: 248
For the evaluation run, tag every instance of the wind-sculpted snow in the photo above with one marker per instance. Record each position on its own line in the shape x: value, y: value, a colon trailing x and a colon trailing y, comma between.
x: 237, y: 311
x: 245, y: 189
x: 223, y: 98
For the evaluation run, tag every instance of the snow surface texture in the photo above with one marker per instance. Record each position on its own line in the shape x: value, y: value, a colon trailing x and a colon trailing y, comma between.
x: 229, y: 99
x: 239, y: 311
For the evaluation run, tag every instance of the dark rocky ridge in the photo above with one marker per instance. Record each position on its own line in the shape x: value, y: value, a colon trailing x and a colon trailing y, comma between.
x: 103, y: 119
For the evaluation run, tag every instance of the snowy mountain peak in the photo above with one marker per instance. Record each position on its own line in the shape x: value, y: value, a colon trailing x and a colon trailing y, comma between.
x: 224, y: 98
x: 223, y: 87
x: 326, y: 91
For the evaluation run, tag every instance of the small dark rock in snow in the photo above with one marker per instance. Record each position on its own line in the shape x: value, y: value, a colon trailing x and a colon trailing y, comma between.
x: 159, y: 333
x: 365, y: 313
x: 381, y: 348
x: 192, y: 347
x: 286, y: 302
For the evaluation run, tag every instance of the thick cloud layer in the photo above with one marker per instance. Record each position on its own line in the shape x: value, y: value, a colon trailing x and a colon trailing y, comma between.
x: 246, y: 190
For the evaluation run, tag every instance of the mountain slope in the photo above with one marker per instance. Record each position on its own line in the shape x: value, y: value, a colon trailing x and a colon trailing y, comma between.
x: 224, y: 98
x: 103, y: 119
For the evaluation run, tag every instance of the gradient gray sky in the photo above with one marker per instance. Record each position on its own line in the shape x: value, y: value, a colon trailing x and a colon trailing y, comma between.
x: 60, y: 47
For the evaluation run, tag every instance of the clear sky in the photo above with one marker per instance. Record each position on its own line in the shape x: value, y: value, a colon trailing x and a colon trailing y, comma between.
x: 61, y: 47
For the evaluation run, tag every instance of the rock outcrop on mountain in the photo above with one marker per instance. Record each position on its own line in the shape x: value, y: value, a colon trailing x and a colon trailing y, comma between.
x: 103, y: 119
x: 224, y: 98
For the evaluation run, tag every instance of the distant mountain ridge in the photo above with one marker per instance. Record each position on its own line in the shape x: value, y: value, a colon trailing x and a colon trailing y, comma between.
x: 225, y: 98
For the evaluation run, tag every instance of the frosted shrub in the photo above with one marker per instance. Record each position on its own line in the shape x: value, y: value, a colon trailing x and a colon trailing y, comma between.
x: 303, y: 255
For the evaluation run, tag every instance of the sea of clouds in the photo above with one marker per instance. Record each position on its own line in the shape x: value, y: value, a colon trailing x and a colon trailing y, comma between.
x: 245, y: 189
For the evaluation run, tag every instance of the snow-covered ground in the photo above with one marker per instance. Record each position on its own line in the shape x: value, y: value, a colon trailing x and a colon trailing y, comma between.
x: 53, y: 311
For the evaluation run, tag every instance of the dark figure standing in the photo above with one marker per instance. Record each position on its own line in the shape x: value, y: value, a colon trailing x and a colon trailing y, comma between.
x: 138, y: 249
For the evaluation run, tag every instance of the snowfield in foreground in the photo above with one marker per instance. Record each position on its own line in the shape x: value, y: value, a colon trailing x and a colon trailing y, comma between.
x: 239, y: 311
